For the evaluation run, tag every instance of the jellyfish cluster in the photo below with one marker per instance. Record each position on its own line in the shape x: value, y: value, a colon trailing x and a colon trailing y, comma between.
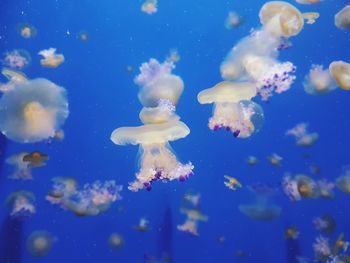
x: 302, y: 136
x: 159, y: 93
x: 90, y: 200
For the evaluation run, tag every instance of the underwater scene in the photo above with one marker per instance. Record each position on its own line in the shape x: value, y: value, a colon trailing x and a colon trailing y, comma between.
x: 163, y: 131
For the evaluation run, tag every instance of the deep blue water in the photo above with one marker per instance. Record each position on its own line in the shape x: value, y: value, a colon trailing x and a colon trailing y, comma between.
x: 102, y: 96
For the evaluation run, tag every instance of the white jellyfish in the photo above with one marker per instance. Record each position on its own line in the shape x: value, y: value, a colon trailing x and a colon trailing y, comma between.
x: 51, y: 59
x: 319, y: 81
x: 33, y: 110
x: 190, y: 225
x: 22, y: 170
x: 340, y: 71
x: 13, y: 77
x: 21, y: 204
x: 233, y: 109
x: 302, y: 136
x: 149, y: 7
x: 26, y: 30
x: 342, y: 18
x: 17, y: 59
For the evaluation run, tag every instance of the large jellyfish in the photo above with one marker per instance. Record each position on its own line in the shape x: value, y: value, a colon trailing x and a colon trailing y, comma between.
x: 233, y: 109
x: 21, y: 204
x: 33, y: 110
x: 26, y: 30
x: 340, y: 71
x: 319, y: 81
x: 17, y: 59
x: 342, y: 18
x: 51, y: 59
x: 22, y: 170
x: 302, y: 136
x: 39, y: 243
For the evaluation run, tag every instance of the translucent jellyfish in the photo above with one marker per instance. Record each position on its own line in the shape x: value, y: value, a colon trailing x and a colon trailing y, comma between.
x: 83, y: 36
x: 39, y: 243
x: 291, y: 233
x: 62, y: 188
x: 17, y: 59
x: 157, y: 82
x: 311, y: 17
x: 35, y: 159
x: 290, y: 188
x: 302, y: 136
x: 233, y: 20
x: 21, y: 204
x: 33, y: 110
x: 157, y: 160
x: 307, y: 2
x: 307, y: 187
x: 193, y: 199
x: 326, y: 224
x: 149, y: 7
x: 143, y: 225
x: 319, y: 81
x: 340, y: 71
x: 252, y: 160
x: 261, y: 211
x: 275, y: 159
x: 13, y: 77
x: 342, y: 18
x: 322, y: 248
x: 173, y: 56
x: 343, y: 181
x: 164, y: 112
x: 115, y: 241
x: 325, y: 189
x: 232, y: 183
x: 21, y: 171
x: 193, y: 217
x: 233, y: 109
x: 26, y: 30
x: 341, y: 244
x: 51, y: 59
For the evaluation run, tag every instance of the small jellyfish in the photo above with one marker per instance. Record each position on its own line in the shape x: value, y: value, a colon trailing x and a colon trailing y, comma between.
x: 21, y: 171
x: 173, y: 56
x: 291, y: 233
x: 307, y: 187
x: 17, y: 59
x: 340, y: 71
x: 129, y: 68
x: 157, y: 160
x: 39, y: 243
x: 33, y: 110
x: 325, y: 189
x: 322, y: 248
x: 342, y: 18
x: 290, y: 188
x: 62, y: 188
x: 326, y: 224
x: 193, y: 217
x: 302, y: 136
x: 233, y: 109
x: 341, y: 244
x: 83, y: 36
x: 232, y: 183
x: 319, y: 81
x: 261, y: 211
x: 143, y: 225
x: 26, y: 30
x: 59, y: 135
x: 189, y: 226
x: 115, y: 241
x: 275, y: 159
x: 51, y: 59
x: 193, y: 199
x: 149, y: 7
x: 21, y: 204
x: 233, y: 20
x: 14, y: 76
x: 311, y: 17
x: 252, y: 160
x: 35, y: 159
x: 308, y: 2
x: 343, y: 181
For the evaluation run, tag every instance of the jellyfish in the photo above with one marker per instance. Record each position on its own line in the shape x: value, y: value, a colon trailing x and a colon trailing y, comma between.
x: 307, y: 187
x: 190, y: 225
x: 157, y: 82
x: 302, y: 136
x: 22, y: 171
x: 325, y: 223
x: 35, y: 159
x: 51, y: 59
x: 311, y: 17
x: 252, y: 160
x: 62, y: 188
x: 322, y: 248
x: 26, y: 30
x: 233, y: 109
x: 149, y: 7
x: 143, y: 225
x: 157, y: 160
x: 232, y: 183
x: 33, y: 110
x: 275, y: 159
x: 319, y: 81
x: 193, y: 199
x: 233, y: 20
x: 115, y: 241
x: 290, y: 188
x: 17, y: 59
x: 307, y: 2
x: 291, y: 233
x: 260, y: 211
x: 83, y: 36
x: 341, y: 244
x: 340, y: 71
x: 173, y: 56
x: 325, y: 188
x: 39, y: 243
x: 13, y: 77
x: 342, y: 18
x: 21, y: 204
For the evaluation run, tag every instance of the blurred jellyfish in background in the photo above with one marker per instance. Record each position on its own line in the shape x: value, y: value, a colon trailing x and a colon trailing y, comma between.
x: 91, y: 200
x: 311, y: 17
x: 21, y: 170
x: 322, y: 248
x: 26, y: 30
x: 21, y: 204
x: 325, y: 189
x: 233, y: 109
x: 342, y: 18
x: 143, y: 225
x: 340, y: 71
x: 33, y: 110
x: 39, y: 243
x: 325, y: 224
x: 252, y: 160
x: 17, y: 59
x: 275, y: 159
x: 115, y: 241
x: 149, y: 7
x: 343, y: 181
x: 232, y: 183
x: 192, y: 198
x: 233, y: 20
x: 302, y: 136
x: 50, y: 58
x: 83, y: 36
x: 194, y: 215
x: 173, y: 56
x: 291, y: 233
x: 13, y: 77
x: 319, y: 81
x: 35, y: 159
x: 308, y: 2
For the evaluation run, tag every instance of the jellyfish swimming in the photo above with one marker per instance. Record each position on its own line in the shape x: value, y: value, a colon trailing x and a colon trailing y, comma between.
x: 115, y: 241
x: 83, y: 36
x: 33, y: 110
x: 149, y: 7
x: 193, y: 199
x: 143, y: 225
x: 17, y: 59
x: 343, y: 181
x: 340, y: 71
x: 50, y: 58
x: 319, y: 81
x: 252, y: 160
x: 39, y: 243
x: 173, y: 56
x: 21, y: 204
x: 310, y: 17
x: 26, y: 30
x: 302, y: 136
x: 275, y: 159
x: 291, y: 233
x: 325, y: 223
x: 21, y: 171
x: 13, y: 77
x: 233, y: 109
x: 299, y: 187
x: 322, y: 248
x: 233, y: 20
x: 35, y: 159
x: 190, y: 225
x: 325, y: 189
x: 342, y: 18
x: 232, y: 183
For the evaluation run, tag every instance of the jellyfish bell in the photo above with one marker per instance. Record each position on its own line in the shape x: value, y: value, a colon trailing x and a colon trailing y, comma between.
x: 325, y: 223
x: 115, y: 241
x: 39, y: 243
x: 310, y: 17
x: 342, y: 18
x: 50, y: 58
x: 307, y: 187
x: 164, y: 112
x: 340, y: 71
x: 319, y: 81
x: 21, y: 204
x: 343, y: 183
x: 35, y: 159
x: 33, y: 110
x: 281, y: 18
x: 26, y: 30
